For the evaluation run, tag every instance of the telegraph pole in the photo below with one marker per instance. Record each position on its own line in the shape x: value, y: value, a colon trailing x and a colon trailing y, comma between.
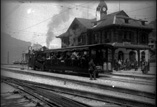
x: 119, y: 5
x: 8, y: 57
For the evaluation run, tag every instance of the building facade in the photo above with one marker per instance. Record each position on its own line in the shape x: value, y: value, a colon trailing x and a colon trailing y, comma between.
x: 152, y: 36
x: 130, y: 36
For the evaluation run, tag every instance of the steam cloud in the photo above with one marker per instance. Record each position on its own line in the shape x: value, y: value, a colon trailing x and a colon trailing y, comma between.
x: 64, y: 16
x: 57, y: 20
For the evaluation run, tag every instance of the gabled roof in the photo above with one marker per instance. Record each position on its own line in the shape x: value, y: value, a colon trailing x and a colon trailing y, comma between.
x: 121, y: 12
x: 86, y: 22
x: 110, y: 19
x: 128, y: 46
x: 62, y: 35
x: 118, y: 18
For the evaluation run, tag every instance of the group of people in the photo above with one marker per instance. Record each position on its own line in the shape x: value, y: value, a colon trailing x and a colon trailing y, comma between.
x: 70, y: 58
x: 126, y: 65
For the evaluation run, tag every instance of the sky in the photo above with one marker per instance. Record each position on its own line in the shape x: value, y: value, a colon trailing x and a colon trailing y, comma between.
x: 40, y: 22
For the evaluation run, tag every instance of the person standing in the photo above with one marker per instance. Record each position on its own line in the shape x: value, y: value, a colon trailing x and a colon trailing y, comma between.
x: 92, y: 69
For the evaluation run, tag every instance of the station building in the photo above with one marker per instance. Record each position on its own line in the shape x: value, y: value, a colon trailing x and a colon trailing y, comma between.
x: 129, y: 36
x: 152, y: 37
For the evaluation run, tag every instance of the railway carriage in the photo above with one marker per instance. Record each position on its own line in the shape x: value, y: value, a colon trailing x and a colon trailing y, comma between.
x: 73, y: 59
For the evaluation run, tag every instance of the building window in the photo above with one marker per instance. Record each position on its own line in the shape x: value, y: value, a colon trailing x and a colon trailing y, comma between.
x: 84, y: 38
x: 126, y: 20
x: 125, y: 36
x: 80, y: 39
x: 96, y: 37
x: 120, y: 36
x: 120, y: 55
x: 143, y: 22
x: 115, y: 36
x: 143, y: 38
x: 130, y: 35
x: 108, y: 36
x: 104, y: 36
x: 143, y: 55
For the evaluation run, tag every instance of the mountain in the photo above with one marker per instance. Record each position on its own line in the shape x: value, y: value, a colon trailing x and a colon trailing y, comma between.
x: 12, y: 48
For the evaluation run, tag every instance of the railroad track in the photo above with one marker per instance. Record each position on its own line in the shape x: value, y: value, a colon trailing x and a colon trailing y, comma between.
x: 100, y: 97
x: 48, y: 98
x: 91, y: 85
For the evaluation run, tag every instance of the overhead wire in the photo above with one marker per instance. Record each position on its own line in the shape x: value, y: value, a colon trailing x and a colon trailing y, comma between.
x: 35, y: 32
x: 65, y: 11
x: 140, y: 9
x: 52, y: 16
x: 44, y: 20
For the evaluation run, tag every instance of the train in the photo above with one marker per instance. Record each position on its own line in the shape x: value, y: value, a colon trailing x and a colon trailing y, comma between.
x: 73, y: 59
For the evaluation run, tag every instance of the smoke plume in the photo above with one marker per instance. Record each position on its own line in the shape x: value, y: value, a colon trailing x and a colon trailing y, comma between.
x: 58, y: 20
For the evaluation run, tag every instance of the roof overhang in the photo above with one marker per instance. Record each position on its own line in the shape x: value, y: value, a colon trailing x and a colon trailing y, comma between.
x: 129, y: 46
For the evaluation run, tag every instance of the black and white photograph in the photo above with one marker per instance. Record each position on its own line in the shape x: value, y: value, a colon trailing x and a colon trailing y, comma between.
x: 78, y: 53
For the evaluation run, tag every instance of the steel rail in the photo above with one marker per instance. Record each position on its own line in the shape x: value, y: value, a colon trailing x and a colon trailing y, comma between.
x: 33, y: 94
x: 51, y: 99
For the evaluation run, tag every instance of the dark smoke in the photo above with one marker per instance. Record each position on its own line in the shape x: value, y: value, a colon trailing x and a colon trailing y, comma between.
x: 57, y: 20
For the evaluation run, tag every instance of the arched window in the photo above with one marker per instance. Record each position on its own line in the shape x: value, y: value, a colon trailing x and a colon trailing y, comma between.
x: 120, y: 55
x: 143, y: 55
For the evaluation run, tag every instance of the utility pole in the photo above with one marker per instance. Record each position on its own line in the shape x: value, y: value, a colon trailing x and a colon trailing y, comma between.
x: 119, y: 5
x: 87, y: 11
x: 8, y: 58
x: 22, y: 61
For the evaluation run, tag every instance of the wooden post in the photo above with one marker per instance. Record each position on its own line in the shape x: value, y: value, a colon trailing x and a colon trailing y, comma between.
x: 113, y: 57
x: 107, y: 59
x: 8, y: 58
x: 138, y: 52
x: 28, y: 61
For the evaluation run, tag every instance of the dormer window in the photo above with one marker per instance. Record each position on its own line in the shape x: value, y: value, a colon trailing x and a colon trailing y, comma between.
x: 126, y: 20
